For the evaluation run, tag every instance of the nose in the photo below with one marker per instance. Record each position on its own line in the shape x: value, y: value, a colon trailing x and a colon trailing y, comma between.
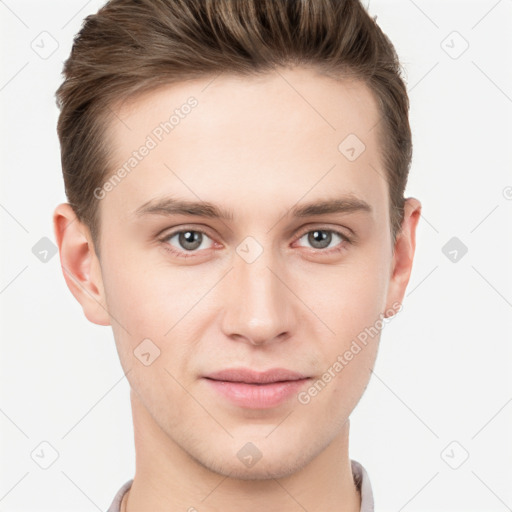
x: 258, y: 304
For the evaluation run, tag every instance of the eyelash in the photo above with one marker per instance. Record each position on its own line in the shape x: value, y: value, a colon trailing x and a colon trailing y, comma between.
x: 192, y: 254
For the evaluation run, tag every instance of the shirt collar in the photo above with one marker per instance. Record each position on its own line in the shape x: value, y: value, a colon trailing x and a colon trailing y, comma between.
x: 361, y: 479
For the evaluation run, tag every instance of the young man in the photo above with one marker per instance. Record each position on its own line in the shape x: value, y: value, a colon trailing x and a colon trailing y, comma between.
x: 235, y: 171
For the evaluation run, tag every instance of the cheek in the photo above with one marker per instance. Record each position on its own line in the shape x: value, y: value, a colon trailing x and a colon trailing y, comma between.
x: 157, y: 304
x: 350, y: 296
x: 352, y: 310
x: 135, y: 305
x: 143, y: 295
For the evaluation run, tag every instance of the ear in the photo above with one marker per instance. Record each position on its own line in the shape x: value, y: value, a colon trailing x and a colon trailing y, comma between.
x: 79, y: 263
x: 403, y: 254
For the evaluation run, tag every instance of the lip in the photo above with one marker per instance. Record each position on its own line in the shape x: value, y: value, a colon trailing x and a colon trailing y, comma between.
x: 256, y: 390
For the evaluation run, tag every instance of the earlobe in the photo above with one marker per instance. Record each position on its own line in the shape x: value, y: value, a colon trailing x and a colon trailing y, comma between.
x: 80, y: 265
x: 403, y: 254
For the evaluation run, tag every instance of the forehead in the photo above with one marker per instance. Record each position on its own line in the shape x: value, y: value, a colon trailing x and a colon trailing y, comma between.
x: 294, y: 94
x: 280, y: 135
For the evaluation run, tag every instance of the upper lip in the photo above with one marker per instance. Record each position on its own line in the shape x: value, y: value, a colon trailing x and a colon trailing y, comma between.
x: 249, y: 376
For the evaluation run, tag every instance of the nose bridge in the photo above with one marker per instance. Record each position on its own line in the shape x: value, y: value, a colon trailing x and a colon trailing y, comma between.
x: 258, y: 306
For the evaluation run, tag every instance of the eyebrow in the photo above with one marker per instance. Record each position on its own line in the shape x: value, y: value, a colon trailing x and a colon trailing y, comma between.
x: 169, y: 206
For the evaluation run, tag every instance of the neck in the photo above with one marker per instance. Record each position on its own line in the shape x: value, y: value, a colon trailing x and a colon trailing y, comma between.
x: 168, y: 478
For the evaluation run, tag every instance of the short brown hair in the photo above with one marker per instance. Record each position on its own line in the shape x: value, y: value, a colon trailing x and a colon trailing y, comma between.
x: 133, y: 46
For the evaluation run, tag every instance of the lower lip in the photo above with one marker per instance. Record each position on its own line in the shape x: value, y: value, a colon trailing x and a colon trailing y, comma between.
x: 258, y: 396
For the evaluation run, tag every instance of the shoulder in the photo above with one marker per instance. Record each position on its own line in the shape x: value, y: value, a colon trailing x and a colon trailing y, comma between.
x: 362, y: 481
x: 116, y: 503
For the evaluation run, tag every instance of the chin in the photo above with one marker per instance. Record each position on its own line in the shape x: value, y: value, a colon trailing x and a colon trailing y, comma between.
x: 268, y: 467
x: 272, y: 470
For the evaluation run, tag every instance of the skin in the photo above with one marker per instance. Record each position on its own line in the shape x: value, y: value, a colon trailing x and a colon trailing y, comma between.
x: 257, y: 147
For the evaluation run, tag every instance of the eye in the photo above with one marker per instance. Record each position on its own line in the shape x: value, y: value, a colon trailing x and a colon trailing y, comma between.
x: 187, y: 240
x: 321, y: 239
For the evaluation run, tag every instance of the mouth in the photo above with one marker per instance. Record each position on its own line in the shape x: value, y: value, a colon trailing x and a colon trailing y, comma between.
x: 247, y: 376
x: 257, y: 390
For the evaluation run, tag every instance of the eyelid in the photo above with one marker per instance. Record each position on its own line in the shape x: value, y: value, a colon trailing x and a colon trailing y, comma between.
x: 167, y: 232
x: 336, y: 230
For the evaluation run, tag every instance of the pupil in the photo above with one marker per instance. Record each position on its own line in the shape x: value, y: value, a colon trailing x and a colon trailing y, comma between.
x: 190, y: 237
x: 321, y: 237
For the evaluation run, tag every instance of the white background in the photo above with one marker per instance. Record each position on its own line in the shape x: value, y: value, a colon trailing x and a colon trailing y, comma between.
x: 444, y: 367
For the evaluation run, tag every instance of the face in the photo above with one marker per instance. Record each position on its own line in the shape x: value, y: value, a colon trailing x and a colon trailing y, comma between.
x: 282, y: 263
